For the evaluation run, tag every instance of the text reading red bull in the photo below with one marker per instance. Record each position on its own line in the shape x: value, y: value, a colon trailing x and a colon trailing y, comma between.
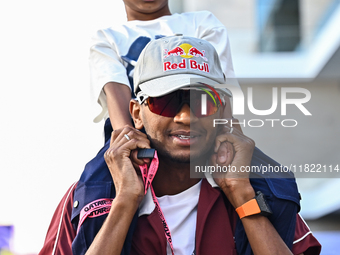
x: 186, y: 52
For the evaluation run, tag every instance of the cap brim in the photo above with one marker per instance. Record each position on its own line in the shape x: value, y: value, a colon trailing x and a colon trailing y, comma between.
x: 166, y: 84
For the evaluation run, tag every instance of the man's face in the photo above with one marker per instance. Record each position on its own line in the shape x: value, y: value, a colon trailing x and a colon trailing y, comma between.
x: 146, y: 6
x: 181, y: 138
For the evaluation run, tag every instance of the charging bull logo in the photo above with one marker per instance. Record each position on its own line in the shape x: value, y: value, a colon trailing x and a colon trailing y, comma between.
x: 186, y: 51
x: 196, y: 53
x: 178, y: 51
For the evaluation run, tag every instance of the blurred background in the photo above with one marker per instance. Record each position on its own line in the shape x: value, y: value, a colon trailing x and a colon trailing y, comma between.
x: 47, y: 134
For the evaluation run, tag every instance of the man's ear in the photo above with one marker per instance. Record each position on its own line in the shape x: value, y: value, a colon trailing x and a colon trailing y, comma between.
x: 135, y: 111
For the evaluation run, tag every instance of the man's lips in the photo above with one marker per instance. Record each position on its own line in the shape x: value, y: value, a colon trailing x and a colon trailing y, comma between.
x: 185, y: 134
x: 185, y: 137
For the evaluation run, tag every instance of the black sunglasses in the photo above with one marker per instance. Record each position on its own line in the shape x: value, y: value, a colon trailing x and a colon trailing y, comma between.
x: 202, y: 102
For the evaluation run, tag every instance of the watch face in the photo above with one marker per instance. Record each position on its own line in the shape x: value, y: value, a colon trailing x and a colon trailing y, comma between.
x: 264, y: 207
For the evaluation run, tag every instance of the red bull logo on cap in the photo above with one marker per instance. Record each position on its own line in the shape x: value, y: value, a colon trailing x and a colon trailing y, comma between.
x: 178, y: 51
x: 185, y: 51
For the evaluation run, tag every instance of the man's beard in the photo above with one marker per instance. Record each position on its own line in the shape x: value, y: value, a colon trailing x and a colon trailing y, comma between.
x: 181, y: 159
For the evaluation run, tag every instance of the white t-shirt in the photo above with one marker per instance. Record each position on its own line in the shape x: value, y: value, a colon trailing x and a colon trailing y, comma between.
x: 116, y: 49
x: 180, y: 212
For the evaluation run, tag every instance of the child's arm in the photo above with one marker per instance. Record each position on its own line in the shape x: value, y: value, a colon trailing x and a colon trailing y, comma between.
x: 118, y: 97
x: 109, y: 81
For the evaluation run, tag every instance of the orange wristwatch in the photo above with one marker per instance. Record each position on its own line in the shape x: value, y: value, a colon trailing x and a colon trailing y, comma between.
x: 257, y: 205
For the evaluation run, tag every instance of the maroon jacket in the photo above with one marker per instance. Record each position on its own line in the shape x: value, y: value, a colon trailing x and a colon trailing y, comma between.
x: 214, y: 215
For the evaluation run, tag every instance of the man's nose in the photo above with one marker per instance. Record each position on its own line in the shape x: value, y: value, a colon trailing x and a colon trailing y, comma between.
x: 185, y: 115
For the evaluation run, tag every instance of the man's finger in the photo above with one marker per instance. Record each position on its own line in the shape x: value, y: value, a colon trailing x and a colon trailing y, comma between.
x: 129, y: 134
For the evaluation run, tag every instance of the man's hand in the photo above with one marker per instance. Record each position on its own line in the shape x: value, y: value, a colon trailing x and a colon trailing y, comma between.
x: 234, y: 150
x: 237, y: 188
x: 121, y: 159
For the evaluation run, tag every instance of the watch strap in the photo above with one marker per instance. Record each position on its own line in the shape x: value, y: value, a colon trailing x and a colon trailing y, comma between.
x: 249, y: 208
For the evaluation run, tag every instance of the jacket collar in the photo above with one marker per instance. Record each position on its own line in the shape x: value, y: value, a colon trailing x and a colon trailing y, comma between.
x: 147, y: 205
